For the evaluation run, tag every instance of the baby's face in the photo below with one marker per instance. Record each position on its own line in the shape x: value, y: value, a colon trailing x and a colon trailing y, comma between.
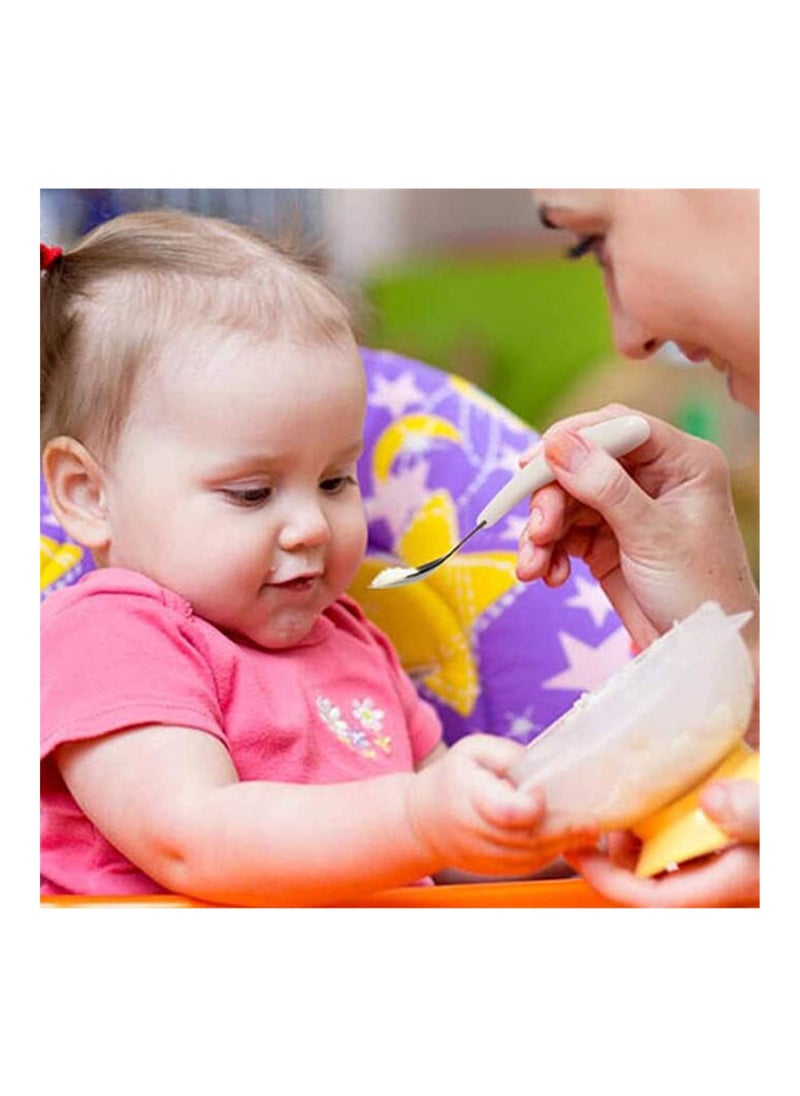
x: 234, y: 482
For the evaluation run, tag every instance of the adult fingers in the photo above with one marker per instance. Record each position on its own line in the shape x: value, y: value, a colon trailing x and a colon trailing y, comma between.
x: 668, y: 455
x: 734, y: 806
x: 595, y: 478
x: 533, y: 561
x: 728, y: 878
x: 559, y: 569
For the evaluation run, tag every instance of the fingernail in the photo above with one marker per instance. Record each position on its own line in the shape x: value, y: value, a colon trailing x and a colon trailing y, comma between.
x: 715, y: 799
x: 567, y: 450
x: 536, y: 518
x: 527, y: 555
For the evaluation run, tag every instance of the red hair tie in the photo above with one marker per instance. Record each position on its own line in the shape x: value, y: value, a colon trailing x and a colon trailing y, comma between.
x: 48, y: 255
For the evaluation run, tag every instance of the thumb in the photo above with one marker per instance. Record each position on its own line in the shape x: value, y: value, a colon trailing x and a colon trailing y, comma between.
x: 492, y: 752
x: 734, y: 806
x: 595, y: 478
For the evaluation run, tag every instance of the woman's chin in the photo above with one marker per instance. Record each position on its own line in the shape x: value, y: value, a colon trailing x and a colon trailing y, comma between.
x: 744, y: 389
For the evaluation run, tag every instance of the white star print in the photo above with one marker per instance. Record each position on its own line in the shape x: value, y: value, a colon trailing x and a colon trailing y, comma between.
x: 590, y: 667
x: 49, y: 518
x: 418, y: 442
x: 396, y: 395
x: 513, y: 528
x: 521, y: 727
x: 508, y: 460
x: 592, y: 598
x: 399, y: 498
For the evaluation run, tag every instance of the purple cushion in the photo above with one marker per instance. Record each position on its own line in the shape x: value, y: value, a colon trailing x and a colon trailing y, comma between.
x: 534, y: 650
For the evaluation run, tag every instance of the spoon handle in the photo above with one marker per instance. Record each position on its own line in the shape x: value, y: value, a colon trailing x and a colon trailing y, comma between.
x: 617, y: 436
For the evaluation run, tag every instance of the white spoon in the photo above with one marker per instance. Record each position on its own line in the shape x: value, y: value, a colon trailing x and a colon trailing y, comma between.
x: 617, y: 436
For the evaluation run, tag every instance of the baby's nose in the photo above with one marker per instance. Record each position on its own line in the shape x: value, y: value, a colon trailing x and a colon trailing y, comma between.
x: 305, y: 526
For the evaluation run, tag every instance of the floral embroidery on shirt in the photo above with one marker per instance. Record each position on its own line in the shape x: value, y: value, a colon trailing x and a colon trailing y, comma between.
x: 363, y: 738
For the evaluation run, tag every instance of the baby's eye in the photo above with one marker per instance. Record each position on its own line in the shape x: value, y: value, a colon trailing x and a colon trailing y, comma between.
x: 248, y: 496
x: 335, y: 484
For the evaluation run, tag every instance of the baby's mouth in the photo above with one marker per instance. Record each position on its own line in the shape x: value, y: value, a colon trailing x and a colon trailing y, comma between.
x: 298, y: 582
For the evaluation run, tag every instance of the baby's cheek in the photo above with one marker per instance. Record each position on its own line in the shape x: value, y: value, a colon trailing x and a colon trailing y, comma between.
x: 349, y: 550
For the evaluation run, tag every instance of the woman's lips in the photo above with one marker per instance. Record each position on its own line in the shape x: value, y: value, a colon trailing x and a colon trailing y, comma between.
x: 694, y: 353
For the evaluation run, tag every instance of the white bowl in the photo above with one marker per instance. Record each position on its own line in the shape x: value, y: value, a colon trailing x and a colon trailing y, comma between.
x: 655, y: 729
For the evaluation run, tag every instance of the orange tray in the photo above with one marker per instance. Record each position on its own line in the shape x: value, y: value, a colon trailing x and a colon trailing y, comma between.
x: 548, y: 894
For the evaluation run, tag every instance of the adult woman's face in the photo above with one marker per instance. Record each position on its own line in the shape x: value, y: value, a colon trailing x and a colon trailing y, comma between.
x: 678, y: 265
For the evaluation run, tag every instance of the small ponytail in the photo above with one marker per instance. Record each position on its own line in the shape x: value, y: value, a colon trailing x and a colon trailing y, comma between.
x: 48, y: 257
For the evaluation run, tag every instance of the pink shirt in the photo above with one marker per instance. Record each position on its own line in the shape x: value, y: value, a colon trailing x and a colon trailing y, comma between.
x: 118, y: 650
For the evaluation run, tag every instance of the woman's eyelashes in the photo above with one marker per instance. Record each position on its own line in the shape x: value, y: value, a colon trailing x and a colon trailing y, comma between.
x: 586, y: 244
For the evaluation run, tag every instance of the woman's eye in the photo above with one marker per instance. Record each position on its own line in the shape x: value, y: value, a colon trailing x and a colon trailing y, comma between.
x: 248, y: 496
x: 585, y: 245
x: 336, y: 484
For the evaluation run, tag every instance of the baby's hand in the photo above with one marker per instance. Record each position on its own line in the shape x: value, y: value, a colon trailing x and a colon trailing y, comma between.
x: 469, y: 816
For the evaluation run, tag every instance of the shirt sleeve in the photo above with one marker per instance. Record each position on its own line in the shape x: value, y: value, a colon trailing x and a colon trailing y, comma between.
x: 111, y: 661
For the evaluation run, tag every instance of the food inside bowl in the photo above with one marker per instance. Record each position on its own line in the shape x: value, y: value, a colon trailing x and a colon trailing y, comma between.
x: 653, y: 731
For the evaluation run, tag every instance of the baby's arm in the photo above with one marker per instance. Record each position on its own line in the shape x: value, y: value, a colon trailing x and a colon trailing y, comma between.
x: 169, y: 799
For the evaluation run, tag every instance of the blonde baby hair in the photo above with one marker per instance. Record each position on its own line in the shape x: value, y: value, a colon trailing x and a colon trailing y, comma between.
x: 110, y: 305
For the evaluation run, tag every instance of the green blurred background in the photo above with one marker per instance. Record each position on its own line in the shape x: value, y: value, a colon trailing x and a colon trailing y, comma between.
x: 525, y: 328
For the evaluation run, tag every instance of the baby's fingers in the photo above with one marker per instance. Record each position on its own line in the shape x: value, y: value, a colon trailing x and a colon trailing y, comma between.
x: 503, y: 806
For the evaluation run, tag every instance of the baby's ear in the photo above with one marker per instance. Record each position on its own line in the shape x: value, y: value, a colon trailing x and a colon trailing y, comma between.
x: 76, y: 488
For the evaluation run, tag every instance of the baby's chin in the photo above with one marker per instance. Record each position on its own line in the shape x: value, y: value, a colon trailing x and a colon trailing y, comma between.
x: 281, y: 638
x: 284, y: 630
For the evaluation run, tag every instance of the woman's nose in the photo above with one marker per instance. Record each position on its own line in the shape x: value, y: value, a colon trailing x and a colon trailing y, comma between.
x: 305, y: 526
x: 631, y: 338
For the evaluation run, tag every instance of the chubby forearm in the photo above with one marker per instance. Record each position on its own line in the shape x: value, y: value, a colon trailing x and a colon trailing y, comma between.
x: 170, y: 799
x: 256, y: 843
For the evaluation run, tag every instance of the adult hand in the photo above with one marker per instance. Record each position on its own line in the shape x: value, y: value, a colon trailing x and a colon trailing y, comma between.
x: 657, y: 527
x: 727, y: 878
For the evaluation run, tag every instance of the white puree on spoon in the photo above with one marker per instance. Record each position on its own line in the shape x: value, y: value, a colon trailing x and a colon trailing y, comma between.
x: 390, y: 575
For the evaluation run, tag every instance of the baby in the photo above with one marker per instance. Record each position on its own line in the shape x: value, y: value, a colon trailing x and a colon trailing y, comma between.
x: 218, y: 717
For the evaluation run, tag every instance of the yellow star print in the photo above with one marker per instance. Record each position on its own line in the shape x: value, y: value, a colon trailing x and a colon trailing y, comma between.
x: 55, y: 560
x: 411, y: 433
x: 431, y: 622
